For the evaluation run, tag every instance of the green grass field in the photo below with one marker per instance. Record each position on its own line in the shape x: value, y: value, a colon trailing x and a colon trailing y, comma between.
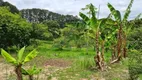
x: 69, y: 64
x: 79, y: 65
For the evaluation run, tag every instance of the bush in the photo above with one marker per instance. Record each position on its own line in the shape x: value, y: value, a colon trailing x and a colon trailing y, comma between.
x: 135, y: 37
x: 135, y: 64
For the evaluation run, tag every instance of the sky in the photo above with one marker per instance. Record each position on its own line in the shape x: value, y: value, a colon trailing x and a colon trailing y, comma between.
x: 73, y: 7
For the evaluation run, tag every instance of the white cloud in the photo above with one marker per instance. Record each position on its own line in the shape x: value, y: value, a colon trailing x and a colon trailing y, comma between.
x: 74, y: 6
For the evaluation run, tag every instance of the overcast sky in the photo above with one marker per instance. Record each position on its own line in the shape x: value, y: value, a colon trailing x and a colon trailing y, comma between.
x: 74, y: 6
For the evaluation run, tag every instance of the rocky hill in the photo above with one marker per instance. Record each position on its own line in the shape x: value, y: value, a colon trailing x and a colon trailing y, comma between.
x: 40, y: 15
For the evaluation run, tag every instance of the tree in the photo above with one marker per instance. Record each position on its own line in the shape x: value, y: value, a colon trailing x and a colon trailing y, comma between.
x: 53, y: 28
x: 71, y: 36
x: 40, y: 31
x: 13, y: 29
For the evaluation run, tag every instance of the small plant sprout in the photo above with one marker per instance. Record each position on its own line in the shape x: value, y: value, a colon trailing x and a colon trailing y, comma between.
x: 32, y: 71
x: 19, y: 61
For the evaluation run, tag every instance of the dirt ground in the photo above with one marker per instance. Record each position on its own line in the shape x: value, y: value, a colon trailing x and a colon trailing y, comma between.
x: 55, y: 66
x: 50, y: 67
x: 58, y: 63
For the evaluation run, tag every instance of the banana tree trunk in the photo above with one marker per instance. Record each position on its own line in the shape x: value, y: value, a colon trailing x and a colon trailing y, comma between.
x: 119, y: 43
x: 102, y: 47
x: 124, y: 46
x: 98, y: 58
x: 97, y: 42
x: 98, y: 61
x: 19, y: 72
x: 30, y: 77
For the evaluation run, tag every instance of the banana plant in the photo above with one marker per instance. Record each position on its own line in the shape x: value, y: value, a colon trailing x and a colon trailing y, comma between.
x: 19, y: 61
x: 109, y: 35
x: 94, y: 25
x: 122, y: 29
x: 32, y: 71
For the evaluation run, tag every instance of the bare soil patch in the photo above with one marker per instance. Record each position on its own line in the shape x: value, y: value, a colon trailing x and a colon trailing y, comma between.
x: 58, y: 62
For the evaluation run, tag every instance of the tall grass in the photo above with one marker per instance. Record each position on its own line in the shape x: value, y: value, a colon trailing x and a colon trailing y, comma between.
x: 85, y: 62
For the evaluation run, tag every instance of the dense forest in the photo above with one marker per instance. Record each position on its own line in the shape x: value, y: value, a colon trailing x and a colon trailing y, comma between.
x: 74, y: 48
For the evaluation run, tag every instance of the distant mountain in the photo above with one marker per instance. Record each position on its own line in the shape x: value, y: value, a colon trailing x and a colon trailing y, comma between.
x: 1, y: 1
x: 12, y: 8
x: 39, y: 15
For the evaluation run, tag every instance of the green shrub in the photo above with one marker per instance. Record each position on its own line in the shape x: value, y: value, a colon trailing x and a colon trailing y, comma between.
x: 135, y: 64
